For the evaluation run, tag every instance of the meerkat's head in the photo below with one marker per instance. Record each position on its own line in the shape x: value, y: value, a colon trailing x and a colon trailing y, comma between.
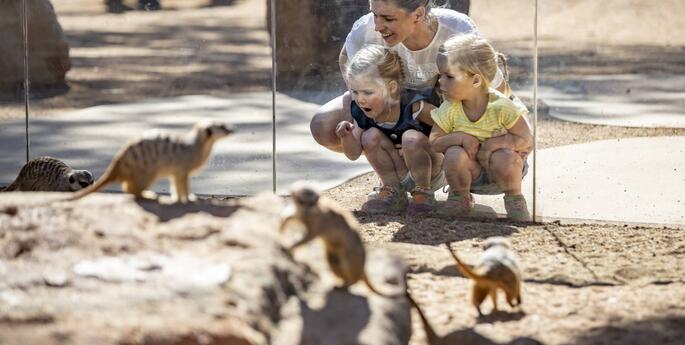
x: 496, y: 241
x: 211, y: 131
x: 304, y: 194
x: 79, y: 179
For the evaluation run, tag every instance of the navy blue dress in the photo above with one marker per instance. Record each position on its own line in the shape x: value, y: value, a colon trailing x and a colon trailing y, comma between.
x: 406, y: 120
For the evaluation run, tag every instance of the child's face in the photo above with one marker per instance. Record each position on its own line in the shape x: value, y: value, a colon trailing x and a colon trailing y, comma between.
x: 455, y: 84
x: 369, y: 94
x: 393, y: 23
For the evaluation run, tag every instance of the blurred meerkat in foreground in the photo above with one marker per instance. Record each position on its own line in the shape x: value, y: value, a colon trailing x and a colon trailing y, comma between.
x: 496, y: 269
x: 158, y: 154
x: 47, y: 174
x: 337, y: 228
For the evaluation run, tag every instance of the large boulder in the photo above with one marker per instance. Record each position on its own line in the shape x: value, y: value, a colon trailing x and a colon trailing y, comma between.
x: 48, y: 51
x: 111, y: 270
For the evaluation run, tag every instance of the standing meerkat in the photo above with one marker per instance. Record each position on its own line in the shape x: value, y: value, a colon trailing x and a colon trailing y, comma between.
x: 158, y: 154
x: 337, y: 228
x: 496, y: 269
x: 47, y: 174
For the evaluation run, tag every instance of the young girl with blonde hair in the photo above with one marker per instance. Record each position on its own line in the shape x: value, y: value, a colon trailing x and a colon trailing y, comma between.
x: 482, y: 132
x: 391, y: 125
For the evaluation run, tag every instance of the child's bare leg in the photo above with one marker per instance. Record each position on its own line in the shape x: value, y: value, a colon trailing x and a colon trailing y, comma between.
x: 506, y: 169
x: 460, y: 170
x: 419, y: 157
x: 383, y: 157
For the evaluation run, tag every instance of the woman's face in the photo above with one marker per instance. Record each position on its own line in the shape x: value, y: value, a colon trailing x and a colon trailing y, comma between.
x: 369, y: 95
x: 393, y: 23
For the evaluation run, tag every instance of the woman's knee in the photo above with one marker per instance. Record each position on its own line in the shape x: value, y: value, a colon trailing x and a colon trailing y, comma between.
x: 322, y: 127
x: 323, y: 123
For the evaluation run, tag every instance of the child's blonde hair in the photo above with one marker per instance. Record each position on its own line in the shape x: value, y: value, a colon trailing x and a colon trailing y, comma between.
x: 376, y: 62
x: 474, y: 54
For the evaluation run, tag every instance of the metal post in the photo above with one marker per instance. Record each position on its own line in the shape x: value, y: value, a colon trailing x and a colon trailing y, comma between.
x: 535, y: 110
x: 273, y: 95
x: 25, y: 27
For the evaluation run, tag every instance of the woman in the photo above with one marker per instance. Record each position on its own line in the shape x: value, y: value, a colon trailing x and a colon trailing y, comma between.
x: 412, y: 28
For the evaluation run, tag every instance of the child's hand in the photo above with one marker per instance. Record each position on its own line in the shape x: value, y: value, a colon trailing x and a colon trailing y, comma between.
x: 486, y: 151
x: 470, y: 145
x: 344, y: 129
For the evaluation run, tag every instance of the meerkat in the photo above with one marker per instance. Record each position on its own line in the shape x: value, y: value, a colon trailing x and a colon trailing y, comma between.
x: 497, y: 269
x: 337, y: 228
x: 158, y: 154
x: 47, y: 174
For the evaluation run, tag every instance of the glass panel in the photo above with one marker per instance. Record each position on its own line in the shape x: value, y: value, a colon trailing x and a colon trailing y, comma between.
x: 308, y: 75
x: 516, y: 40
x: 138, y: 65
x: 12, y: 95
x: 612, y: 120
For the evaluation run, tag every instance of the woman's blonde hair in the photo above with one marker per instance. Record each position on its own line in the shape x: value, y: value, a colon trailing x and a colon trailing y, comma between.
x: 474, y: 54
x: 376, y: 62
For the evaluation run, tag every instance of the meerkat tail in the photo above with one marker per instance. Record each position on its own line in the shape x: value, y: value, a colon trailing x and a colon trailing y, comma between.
x: 430, y: 332
x: 104, y: 180
x: 463, y: 268
x: 365, y: 278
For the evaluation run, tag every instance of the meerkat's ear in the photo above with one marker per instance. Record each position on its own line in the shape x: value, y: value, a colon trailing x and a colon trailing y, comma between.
x: 208, y: 131
x: 72, y: 179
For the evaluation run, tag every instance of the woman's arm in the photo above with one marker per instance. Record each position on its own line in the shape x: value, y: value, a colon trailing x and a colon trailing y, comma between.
x: 342, y: 62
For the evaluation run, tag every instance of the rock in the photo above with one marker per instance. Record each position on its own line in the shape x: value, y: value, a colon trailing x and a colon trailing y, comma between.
x: 47, y: 48
x: 108, y: 269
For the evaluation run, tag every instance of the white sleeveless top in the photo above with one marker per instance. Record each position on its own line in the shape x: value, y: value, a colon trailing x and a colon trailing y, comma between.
x: 420, y: 67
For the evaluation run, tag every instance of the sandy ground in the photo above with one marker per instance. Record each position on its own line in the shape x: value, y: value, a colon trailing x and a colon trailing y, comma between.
x: 585, y: 283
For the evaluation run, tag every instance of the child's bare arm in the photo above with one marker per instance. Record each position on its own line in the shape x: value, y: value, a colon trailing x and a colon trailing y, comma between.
x: 425, y: 115
x: 519, y: 138
x: 441, y: 141
x: 350, y: 138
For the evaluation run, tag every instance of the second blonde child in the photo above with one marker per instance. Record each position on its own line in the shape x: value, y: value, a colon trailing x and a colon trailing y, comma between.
x: 483, y: 133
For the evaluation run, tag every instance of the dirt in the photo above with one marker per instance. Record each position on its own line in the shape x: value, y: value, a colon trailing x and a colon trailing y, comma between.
x: 584, y: 283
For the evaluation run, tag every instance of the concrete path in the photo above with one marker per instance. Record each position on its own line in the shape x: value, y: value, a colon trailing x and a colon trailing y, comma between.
x: 639, y: 180
x: 633, y: 180
x: 630, y: 100
x: 239, y: 165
